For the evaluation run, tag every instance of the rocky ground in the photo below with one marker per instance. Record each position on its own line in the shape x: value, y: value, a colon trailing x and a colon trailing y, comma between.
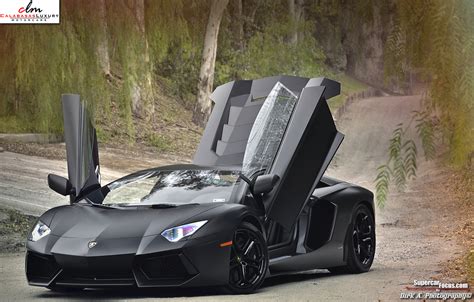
x: 14, y: 227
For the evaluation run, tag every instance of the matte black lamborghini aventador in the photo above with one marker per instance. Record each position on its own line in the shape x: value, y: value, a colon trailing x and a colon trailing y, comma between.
x: 253, y: 204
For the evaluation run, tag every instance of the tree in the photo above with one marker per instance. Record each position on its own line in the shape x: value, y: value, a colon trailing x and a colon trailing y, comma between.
x: 129, y: 46
x: 238, y: 25
x: 295, y: 9
x: 141, y: 90
x: 203, y: 105
x: 102, y: 47
x: 436, y: 40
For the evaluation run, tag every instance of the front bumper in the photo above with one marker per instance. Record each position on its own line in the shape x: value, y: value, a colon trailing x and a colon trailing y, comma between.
x: 194, y: 262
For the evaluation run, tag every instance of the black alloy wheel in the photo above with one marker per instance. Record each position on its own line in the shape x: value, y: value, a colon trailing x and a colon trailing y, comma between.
x: 363, y: 237
x: 248, y: 260
x: 359, y: 243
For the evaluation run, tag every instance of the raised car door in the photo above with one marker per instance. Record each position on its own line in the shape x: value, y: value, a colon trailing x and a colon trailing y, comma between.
x: 295, y: 138
x: 81, y: 146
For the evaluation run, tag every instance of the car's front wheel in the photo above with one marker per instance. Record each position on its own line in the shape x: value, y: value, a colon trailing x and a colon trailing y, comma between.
x: 248, y: 260
x: 360, y: 242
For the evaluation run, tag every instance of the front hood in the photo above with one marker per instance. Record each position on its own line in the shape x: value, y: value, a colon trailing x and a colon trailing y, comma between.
x: 86, y: 221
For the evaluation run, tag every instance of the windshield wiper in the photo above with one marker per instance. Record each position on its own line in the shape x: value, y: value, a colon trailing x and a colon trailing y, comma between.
x: 99, y: 205
x: 163, y: 205
x: 156, y: 205
x: 153, y: 206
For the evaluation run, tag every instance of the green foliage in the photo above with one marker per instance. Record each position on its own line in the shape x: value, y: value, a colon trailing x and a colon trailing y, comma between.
x: 12, y: 124
x: 382, y: 183
x: 425, y: 128
x: 46, y: 61
x: 179, y: 71
x: 175, y: 31
x: 436, y: 39
x: 304, y: 58
x: 394, y: 57
x: 160, y: 142
x: 400, y: 166
x: 167, y: 28
x: 127, y: 40
x: 267, y: 50
x: 409, y: 162
x: 349, y: 86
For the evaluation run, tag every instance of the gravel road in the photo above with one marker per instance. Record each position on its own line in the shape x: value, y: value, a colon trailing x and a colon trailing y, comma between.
x: 24, y: 185
x: 412, y: 231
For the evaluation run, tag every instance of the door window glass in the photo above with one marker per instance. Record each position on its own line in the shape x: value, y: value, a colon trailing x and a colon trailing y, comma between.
x: 268, y: 130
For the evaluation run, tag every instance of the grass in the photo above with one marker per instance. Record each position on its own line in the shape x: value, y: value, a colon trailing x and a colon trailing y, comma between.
x: 169, y: 129
x: 160, y: 142
x: 12, y: 124
x: 349, y: 86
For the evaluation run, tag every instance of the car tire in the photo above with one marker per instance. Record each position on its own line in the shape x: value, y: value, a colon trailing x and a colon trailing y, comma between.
x: 360, y: 242
x: 248, y: 260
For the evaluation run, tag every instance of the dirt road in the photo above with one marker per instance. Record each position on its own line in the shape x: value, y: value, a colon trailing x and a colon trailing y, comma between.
x: 412, y: 231
x: 23, y: 178
x: 24, y: 186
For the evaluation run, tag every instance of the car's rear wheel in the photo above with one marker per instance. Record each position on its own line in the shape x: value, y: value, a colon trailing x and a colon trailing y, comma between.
x: 248, y: 260
x: 360, y: 242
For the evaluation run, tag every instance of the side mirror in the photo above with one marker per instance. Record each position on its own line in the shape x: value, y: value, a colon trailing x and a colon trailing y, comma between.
x: 60, y: 184
x: 265, y: 183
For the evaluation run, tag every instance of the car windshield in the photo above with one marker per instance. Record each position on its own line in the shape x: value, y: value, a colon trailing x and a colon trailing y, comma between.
x: 172, y: 188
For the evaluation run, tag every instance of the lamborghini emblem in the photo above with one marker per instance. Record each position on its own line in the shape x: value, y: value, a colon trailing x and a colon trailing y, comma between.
x: 92, y: 244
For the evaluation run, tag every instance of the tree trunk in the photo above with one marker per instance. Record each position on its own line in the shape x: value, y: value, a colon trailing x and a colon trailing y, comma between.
x: 299, y: 18
x: 295, y: 10
x: 249, y: 24
x: 141, y: 78
x: 238, y: 25
x: 203, y: 105
x: 148, y: 107
x: 103, y: 47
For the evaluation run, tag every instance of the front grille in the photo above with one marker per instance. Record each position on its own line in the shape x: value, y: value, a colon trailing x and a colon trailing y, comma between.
x: 95, y: 280
x: 96, y: 264
x: 40, y: 268
x: 95, y: 271
x: 163, y: 269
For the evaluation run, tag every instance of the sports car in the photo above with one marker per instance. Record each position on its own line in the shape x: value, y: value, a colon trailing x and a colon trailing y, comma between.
x: 254, y: 202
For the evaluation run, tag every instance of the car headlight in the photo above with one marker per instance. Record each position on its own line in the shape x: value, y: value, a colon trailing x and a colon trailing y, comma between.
x: 185, y: 230
x: 39, y: 231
